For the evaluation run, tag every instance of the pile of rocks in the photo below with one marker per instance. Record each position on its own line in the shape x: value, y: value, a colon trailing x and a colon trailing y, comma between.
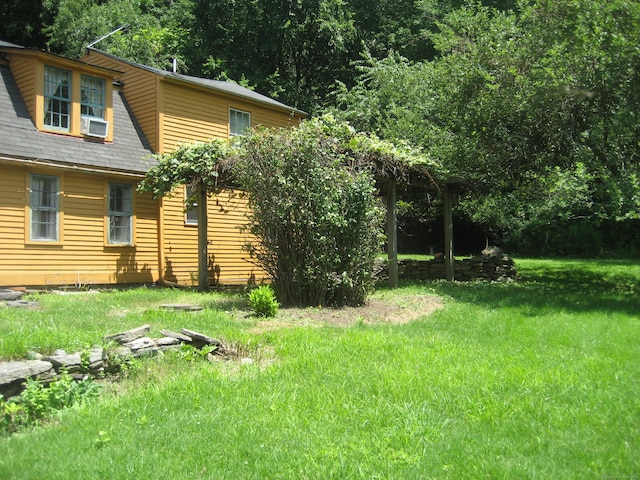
x: 13, y: 298
x: 98, y: 361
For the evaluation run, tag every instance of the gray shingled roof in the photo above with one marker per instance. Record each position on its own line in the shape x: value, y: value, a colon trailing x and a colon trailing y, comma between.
x: 19, y: 138
x: 229, y: 88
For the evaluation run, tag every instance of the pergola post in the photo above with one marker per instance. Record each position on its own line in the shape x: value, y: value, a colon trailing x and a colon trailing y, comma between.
x: 453, y: 186
x: 203, y: 255
x: 392, y: 233
x: 448, y: 234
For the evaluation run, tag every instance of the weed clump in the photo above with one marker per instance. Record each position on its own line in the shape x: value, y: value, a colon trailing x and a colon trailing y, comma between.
x: 39, y: 401
x: 263, y: 301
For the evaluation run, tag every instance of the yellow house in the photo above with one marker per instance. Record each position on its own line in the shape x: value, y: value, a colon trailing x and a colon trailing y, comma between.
x: 75, y: 139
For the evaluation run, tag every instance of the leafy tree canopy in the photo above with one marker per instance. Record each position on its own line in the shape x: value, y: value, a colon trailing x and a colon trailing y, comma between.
x: 537, y: 108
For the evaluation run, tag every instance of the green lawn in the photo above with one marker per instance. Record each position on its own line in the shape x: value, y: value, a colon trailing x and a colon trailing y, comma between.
x: 538, y: 378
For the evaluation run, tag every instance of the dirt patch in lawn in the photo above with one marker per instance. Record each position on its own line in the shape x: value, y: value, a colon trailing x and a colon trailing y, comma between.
x: 397, y: 310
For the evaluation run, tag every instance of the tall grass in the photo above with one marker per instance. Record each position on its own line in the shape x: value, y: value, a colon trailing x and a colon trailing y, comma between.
x: 532, y: 379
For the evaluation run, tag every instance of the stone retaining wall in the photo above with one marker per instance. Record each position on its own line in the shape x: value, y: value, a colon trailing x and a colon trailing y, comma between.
x: 97, y: 361
x: 480, y: 267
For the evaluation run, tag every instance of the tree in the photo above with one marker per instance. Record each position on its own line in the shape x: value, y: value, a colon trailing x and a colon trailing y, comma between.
x: 522, y: 104
x: 21, y: 22
x: 156, y: 33
x: 289, y: 50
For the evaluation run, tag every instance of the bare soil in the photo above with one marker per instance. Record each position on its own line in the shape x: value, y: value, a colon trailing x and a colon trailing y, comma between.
x: 397, y: 310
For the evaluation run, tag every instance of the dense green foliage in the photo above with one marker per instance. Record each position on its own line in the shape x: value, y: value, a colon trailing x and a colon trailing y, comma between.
x: 189, y: 164
x: 527, y: 379
x: 316, y: 220
x: 293, y: 50
x: 537, y: 109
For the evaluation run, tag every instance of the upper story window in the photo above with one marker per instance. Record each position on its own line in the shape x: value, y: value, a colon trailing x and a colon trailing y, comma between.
x: 239, y: 121
x: 44, y: 207
x: 120, y: 214
x: 57, y: 98
x: 92, y: 95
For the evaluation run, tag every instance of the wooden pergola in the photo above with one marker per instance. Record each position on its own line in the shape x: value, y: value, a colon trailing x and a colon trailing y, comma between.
x: 398, y: 171
x: 416, y: 179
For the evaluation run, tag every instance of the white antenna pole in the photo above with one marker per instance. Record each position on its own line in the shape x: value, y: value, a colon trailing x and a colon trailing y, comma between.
x: 107, y: 35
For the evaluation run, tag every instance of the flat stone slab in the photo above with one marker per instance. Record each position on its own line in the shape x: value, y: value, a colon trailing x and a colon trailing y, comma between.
x: 129, y: 335
x: 176, y: 335
x: 14, y: 374
x: 185, y: 307
x: 167, y: 341
x: 21, y: 304
x: 72, y: 362
x: 9, y: 295
x: 140, y: 344
x: 199, y: 340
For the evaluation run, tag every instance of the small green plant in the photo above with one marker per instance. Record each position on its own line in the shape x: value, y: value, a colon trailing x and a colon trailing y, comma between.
x: 85, y: 359
x: 11, y: 414
x: 39, y: 401
x: 190, y: 353
x: 263, y: 301
x: 102, y: 440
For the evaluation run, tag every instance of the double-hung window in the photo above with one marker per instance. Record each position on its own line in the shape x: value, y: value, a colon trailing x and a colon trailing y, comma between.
x: 239, y: 121
x: 92, y: 94
x: 44, y: 206
x: 120, y: 214
x: 57, y: 98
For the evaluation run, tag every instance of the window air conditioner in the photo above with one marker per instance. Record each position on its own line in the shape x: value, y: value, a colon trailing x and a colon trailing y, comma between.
x: 94, y: 127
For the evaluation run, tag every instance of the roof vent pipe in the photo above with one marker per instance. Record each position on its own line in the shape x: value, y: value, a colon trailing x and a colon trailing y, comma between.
x: 175, y: 65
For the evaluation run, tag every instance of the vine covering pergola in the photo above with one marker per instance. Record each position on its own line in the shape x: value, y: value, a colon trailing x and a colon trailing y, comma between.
x: 398, y: 169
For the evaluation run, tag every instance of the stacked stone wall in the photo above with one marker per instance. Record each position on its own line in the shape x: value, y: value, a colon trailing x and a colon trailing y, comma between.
x: 480, y: 267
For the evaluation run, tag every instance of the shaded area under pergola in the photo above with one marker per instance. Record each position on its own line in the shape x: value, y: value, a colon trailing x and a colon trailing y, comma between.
x: 395, y: 180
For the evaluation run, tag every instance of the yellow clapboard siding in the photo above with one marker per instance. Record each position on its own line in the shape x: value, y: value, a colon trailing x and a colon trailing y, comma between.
x: 172, y: 112
x: 82, y: 254
x: 24, y: 69
x: 226, y: 241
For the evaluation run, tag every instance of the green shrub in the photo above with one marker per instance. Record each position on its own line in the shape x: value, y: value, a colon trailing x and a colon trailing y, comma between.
x: 314, y: 215
x: 263, y: 301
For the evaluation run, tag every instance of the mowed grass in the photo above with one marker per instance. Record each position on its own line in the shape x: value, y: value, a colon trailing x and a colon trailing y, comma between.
x: 539, y: 378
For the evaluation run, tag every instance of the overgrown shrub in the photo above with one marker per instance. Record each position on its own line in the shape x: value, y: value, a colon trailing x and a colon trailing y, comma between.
x: 263, y: 301
x: 317, y: 224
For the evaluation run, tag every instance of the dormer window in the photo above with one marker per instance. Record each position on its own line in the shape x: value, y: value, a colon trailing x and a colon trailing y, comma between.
x: 92, y: 94
x: 57, y: 98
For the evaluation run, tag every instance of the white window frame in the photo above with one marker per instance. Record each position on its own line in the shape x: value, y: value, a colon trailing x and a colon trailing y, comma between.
x: 239, y: 121
x: 44, y: 202
x: 120, y: 214
x: 57, y: 98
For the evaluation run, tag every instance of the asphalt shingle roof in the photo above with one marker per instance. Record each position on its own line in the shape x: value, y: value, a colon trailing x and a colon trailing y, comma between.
x: 19, y: 138
x: 229, y: 88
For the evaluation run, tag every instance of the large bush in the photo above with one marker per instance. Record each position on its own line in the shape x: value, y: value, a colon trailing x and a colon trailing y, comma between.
x: 316, y: 220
